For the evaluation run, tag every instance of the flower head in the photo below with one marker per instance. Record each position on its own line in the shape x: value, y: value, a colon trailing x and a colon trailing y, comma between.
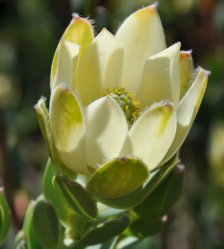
x: 121, y: 96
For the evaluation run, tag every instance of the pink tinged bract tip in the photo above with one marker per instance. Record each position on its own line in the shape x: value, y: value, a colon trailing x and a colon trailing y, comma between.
x: 75, y: 16
x: 186, y: 54
x: 154, y: 5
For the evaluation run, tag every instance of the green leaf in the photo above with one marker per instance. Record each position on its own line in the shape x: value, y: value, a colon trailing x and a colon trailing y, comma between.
x: 134, y: 243
x: 144, y: 227
x: 46, y: 224
x: 164, y: 196
x: 43, y: 121
x: 104, y: 231
x: 136, y: 197
x: 5, y: 217
x: 32, y: 242
x: 76, y: 196
x: 55, y: 196
x: 20, y: 240
x: 117, y: 177
x: 107, y: 245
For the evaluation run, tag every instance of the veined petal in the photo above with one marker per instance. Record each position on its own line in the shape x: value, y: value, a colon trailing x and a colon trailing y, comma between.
x: 106, y: 130
x: 152, y: 134
x: 142, y: 36
x: 187, y: 110
x: 68, y: 128
x: 186, y: 71
x: 161, y: 77
x: 80, y: 32
x: 68, y: 53
x: 100, y: 67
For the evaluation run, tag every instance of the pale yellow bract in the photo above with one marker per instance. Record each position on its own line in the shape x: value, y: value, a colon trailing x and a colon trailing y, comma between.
x: 88, y: 128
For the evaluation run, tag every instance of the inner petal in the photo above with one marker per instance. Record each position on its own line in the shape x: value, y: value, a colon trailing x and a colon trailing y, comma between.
x: 128, y: 103
x: 142, y: 36
x: 106, y: 131
x: 161, y: 77
x: 99, y: 67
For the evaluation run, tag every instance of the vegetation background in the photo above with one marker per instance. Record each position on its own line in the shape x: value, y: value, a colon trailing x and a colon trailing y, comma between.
x: 29, y: 33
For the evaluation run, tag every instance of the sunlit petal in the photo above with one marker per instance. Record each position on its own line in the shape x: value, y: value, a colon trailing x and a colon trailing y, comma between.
x: 187, y: 110
x: 68, y: 128
x: 106, y: 130
x: 79, y: 32
x: 142, y: 36
x: 100, y: 67
x: 161, y: 77
x: 151, y: 136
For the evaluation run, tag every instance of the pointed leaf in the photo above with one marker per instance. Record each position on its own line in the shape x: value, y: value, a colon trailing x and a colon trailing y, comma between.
x: 28, y: 228
x: 46, y: 224
x: 20, y: 240
x: 51, y: 193
x: 136, y: 243
x: 76, y: 196
x: 5, y: 217
x: 159, y: 202
x: 144, y: 227
x: 104, y: 231
x: 118, y: 177
x: 43, y: 121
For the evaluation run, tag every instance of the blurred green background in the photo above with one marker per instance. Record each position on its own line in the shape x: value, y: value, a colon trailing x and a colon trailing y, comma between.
x: 29, y: 33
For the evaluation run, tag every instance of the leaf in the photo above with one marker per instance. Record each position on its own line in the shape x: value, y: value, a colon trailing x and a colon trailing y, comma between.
x: 136, y: 197
x: 164, y: 196
x: 5, y: 217
x: 76, y: 196
x: 104, y: 231
x: 30, y: 235
x: 117, y: 177
x: 134, y: 243
x: 46, y: 224
x: 144, y: 227
x: 55, y: 196
x: 20, y: 240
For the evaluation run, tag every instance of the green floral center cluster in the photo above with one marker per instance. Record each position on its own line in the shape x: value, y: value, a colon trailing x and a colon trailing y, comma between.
x: 128, y: 103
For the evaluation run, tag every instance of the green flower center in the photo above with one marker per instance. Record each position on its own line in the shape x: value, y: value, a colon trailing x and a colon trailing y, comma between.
x: 127, y: 101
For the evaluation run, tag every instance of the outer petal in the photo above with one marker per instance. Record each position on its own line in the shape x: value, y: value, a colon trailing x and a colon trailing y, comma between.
x: 68, y: 128
x: 161, y: 77
x: 80, y: 32
x: 151, y: 136
x: 187, y: 110
x: 186, y: 71
x: 106, y: 131
x: 100, y: 67
x: 68, y: 53
x: 142, y: 36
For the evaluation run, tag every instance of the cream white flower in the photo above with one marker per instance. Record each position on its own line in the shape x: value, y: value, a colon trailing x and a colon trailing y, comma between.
x: 90, y: 128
